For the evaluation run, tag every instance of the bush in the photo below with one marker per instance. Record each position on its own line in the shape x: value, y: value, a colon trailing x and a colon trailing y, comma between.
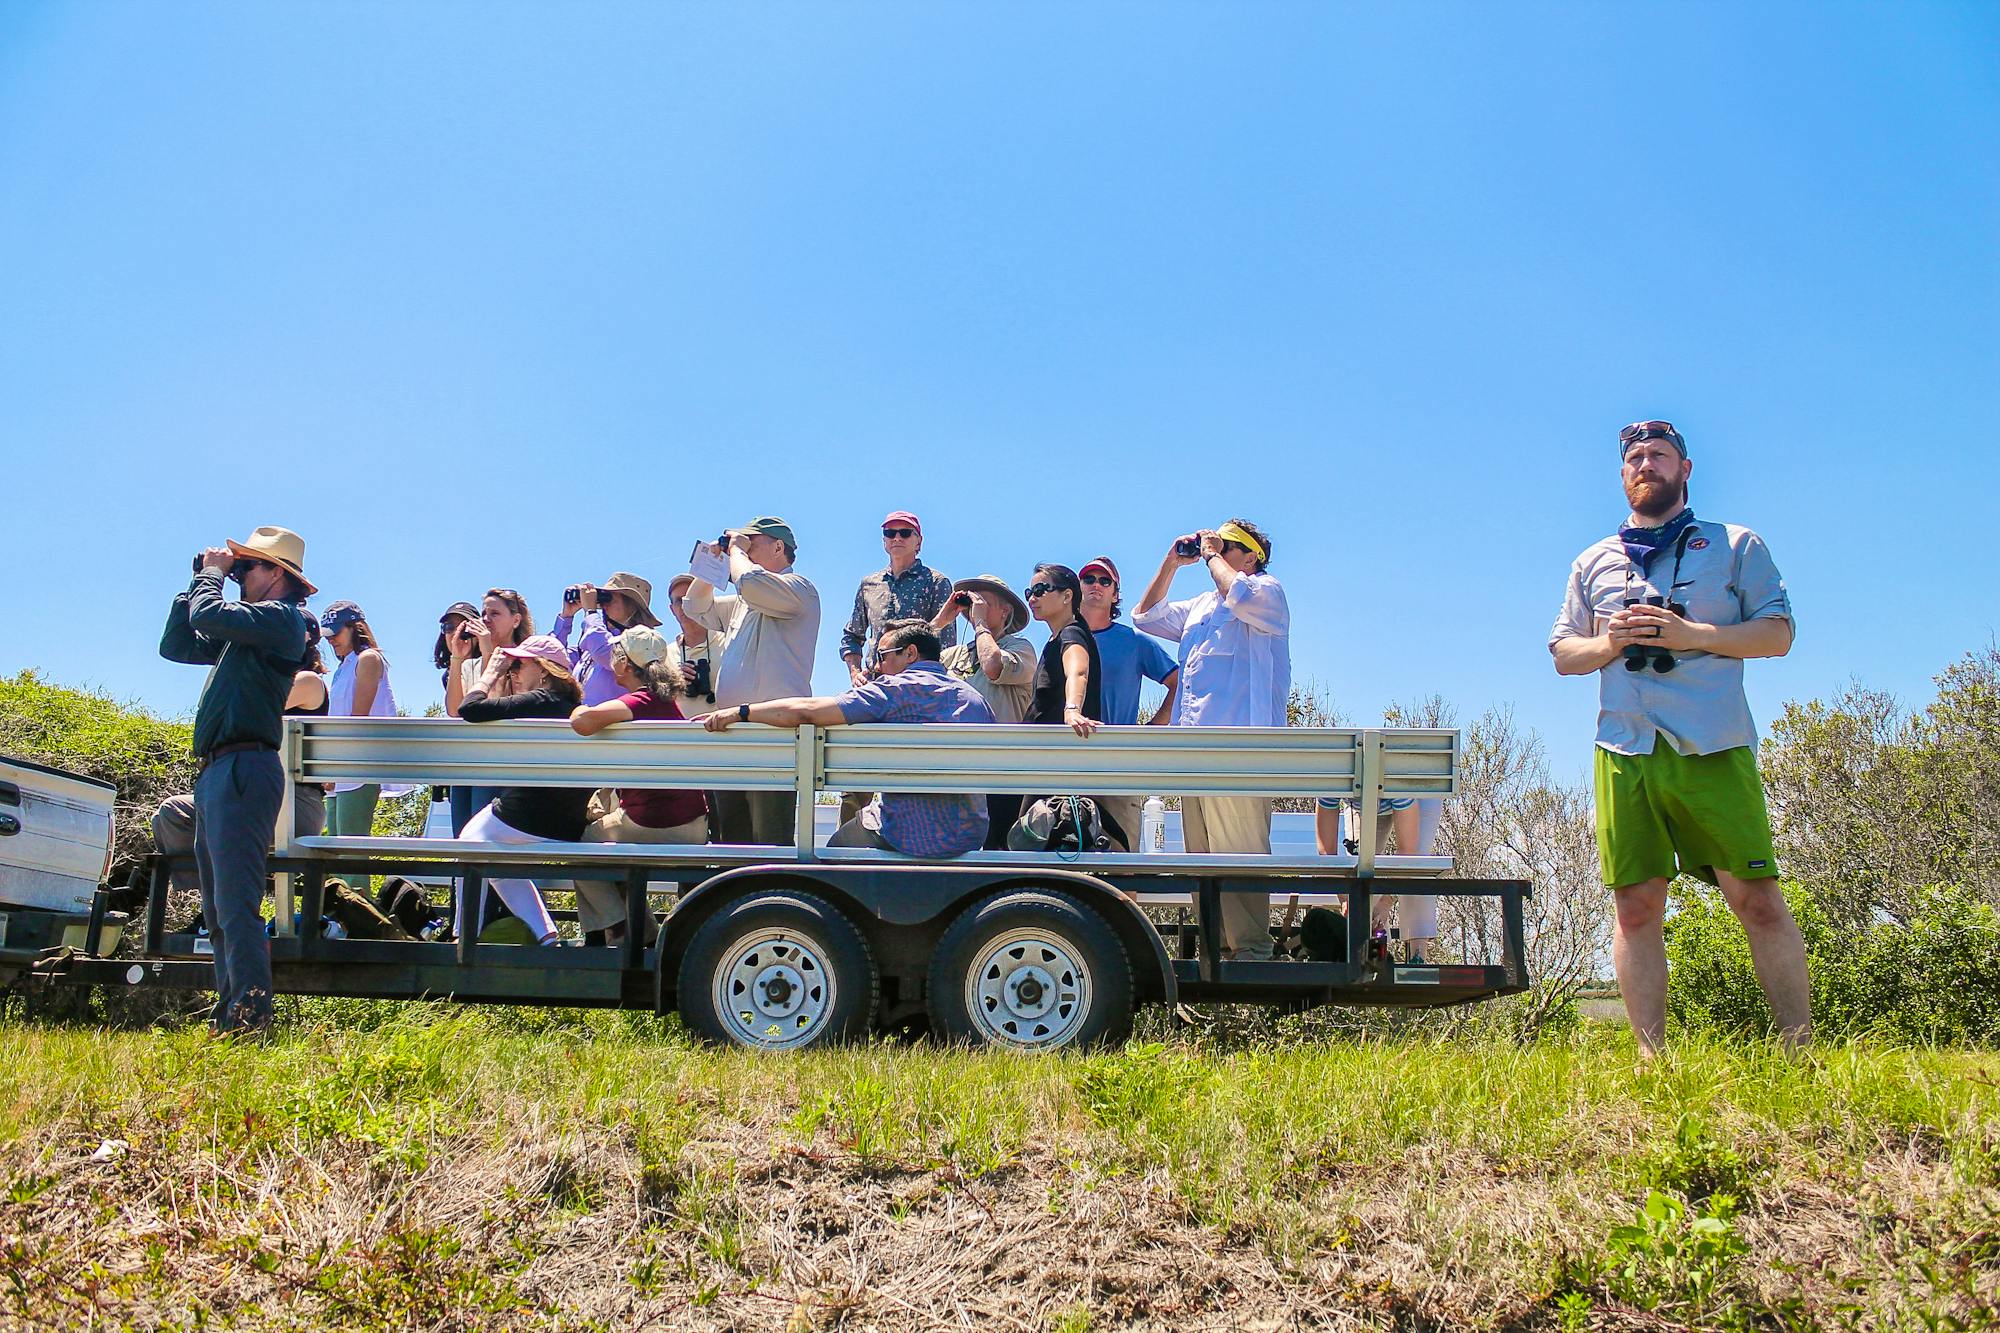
x: 1935, y: 979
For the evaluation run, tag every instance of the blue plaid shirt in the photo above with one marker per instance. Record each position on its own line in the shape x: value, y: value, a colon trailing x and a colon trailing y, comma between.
x: 929, y: 824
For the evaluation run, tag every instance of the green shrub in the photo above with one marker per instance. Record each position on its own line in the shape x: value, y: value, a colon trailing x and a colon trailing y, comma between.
x: 1934, y: 980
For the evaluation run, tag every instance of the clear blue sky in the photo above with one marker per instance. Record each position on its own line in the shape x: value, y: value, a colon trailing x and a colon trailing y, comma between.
x: 519, y: 294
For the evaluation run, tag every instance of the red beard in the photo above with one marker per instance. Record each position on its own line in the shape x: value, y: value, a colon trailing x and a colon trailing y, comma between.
x: 1654, y: 499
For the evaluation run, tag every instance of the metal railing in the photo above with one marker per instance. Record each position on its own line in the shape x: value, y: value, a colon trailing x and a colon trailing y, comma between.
x: 1361, y: 763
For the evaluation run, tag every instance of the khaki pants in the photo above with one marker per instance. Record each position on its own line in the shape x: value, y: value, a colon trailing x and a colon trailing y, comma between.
x: 756, y: 818
x: 1125, y: 812
x: 1234, y: 824
x: 600, y: 903
x: 853, y: 803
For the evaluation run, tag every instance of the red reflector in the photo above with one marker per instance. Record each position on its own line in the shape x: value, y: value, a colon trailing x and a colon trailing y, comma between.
x: 1461, y: 976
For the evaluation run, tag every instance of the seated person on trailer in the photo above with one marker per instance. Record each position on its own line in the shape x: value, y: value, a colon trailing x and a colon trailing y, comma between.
x: 910, y: 685
x: 641, y: 660
x: 1414, y: 825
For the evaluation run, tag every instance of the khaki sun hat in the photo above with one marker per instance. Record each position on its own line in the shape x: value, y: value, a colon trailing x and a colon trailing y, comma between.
x: 992, y: 585
x: 642, y: 645
x: 638, y: 589
x: 282, y: 547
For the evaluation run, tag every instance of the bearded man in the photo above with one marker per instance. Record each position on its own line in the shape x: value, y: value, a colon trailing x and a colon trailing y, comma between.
x: 1665, y: 611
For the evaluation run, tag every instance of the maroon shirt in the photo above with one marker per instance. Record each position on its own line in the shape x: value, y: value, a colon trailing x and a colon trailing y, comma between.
x: 651, y: 807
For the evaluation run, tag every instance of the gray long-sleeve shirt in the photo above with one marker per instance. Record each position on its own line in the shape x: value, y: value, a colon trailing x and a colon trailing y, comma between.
x: 767, y: 626
x: 255, y: 649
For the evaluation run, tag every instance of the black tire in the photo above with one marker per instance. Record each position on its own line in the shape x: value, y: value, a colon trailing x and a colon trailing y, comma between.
x: 1074, y: 966
x: 794, y: 941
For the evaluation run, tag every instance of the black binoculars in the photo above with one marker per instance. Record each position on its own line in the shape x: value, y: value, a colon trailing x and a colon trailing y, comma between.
x: 1187, y: 546
x: 700, y: 680
x: 1639, y: 656
x: 572, y: 594
x: 225, y: 573
x: 963, y: 599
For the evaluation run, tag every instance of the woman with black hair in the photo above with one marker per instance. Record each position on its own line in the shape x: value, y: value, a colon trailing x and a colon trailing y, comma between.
x: 1068, y: 684
x: 359, y: 688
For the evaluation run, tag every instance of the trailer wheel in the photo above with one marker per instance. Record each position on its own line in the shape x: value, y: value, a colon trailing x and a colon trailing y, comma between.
x: 779, y: 971
x: 1031, y: 970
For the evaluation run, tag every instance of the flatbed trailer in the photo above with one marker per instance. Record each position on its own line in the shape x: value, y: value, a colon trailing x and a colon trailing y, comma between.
x: 786, y: 947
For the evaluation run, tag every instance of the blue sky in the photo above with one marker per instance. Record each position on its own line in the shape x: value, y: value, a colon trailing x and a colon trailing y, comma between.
x: 476, y: 294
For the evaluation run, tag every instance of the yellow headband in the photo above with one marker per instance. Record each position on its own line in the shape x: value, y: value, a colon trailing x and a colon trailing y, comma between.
x: 1233, y: 532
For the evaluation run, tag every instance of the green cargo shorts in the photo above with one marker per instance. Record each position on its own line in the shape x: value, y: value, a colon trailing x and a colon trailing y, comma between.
x: 1666, y: 812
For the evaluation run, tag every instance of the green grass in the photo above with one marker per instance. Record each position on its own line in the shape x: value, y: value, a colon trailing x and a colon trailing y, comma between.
x: 449, y: 1168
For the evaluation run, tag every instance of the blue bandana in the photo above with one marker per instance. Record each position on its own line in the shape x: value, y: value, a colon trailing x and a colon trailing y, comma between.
x: 1643, y: 544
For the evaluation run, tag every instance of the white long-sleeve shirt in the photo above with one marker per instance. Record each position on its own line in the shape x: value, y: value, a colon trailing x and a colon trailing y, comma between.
x: 767, y: 626
x: 1235, y: 653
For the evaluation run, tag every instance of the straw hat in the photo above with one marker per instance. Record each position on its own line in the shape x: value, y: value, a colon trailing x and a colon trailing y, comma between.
x: 992, y: 585
x: 282, y: 547
x: 638, y: 589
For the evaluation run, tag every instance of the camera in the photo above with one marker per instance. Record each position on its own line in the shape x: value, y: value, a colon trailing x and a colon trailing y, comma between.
x: 1639, y: 656
x: 1187, y: 546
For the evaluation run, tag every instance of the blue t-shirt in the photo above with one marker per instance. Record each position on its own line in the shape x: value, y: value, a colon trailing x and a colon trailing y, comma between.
x: 1127, y: 658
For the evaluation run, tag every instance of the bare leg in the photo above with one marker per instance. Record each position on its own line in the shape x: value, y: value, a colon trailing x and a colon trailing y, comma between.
x: 1639, y: 954
x: 1326, y: 830
x: 1777, y: 950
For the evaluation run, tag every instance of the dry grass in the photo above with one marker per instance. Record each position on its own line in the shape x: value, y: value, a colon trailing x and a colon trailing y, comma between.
x: 450, y: 1170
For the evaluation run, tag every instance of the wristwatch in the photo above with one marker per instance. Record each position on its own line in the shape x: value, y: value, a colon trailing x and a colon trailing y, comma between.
x: 743, y: 712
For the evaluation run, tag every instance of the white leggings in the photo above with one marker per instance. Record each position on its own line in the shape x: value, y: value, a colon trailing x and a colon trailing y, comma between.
x: 523, y: 899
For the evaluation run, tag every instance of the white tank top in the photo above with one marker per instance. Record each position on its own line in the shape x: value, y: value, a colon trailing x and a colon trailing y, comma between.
x: 340, y: 703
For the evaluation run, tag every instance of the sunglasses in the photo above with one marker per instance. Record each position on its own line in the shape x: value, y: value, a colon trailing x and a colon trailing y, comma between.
x: 1042, y: 589
x: 1650, y: 430
x: 903, y: 533
x: 244, y: 564
x: 1098, y: 580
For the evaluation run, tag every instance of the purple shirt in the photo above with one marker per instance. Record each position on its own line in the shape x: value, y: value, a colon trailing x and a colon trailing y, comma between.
x: 591, y: 658
x: 926, y: 825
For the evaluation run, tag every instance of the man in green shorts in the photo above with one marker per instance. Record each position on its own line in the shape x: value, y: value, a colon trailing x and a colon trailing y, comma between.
x: 1665, y: 611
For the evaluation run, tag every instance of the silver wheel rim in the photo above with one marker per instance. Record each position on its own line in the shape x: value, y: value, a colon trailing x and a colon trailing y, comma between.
x: 1028, y: 989
x: 774, y: 989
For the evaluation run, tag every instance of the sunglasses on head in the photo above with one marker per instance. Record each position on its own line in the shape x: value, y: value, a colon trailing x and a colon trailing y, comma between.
x: 903, y: 533
x: 1650, y: 430
x: 1098, y: 580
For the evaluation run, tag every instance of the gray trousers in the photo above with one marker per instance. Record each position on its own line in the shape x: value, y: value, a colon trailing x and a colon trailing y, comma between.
x: 236, y: 801
x: 173, y: 829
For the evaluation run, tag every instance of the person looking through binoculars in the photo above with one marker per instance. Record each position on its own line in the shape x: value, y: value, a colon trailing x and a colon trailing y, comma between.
x: 254, y: 648
x: 1665, y: 611
x: 606, y: 611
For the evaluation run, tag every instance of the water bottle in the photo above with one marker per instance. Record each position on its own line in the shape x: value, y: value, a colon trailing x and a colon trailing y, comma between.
x: 436, y: 928
x: 1153, y: 827
x: 331, y: 929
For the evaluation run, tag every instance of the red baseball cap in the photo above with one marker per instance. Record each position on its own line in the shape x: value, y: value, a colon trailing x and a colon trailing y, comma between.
x: 902, y: 518
x: 1102, y: 562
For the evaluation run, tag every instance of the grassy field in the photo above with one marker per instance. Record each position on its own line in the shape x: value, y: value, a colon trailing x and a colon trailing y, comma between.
x: 433, y: 1168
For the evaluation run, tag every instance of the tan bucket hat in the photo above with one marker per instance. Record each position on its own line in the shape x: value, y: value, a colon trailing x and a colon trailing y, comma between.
x: 992, y: 585
x: 638, y: 590
x: 282, y: 547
